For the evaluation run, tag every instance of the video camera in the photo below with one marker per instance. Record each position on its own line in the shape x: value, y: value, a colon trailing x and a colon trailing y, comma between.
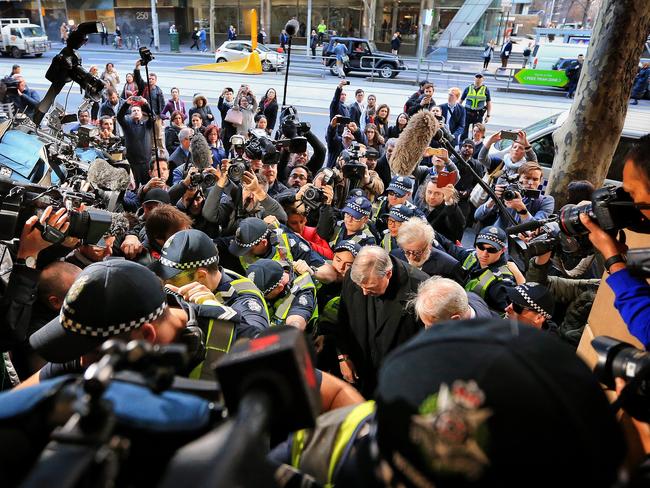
x: 353, y: 169
x: 19, y: 202
x: 290, y: 125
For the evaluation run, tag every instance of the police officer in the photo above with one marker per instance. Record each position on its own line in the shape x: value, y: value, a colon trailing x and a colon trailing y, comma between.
x: 451, y: 410
x: 397, y: 215
x: 399, y: 192
x: 189, y: 265
x: 255, y: 240
x: 354, y: 226
x: 478, y: 103
x: 487, y: 268
x: 292, y: 300
x: 532, y: 304
x: 124, y: 300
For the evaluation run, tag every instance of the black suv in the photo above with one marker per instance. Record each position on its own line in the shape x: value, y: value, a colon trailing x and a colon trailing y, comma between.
x: 363, y: 53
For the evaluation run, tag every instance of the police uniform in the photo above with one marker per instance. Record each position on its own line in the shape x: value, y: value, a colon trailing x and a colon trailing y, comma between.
x: 492, y: 282
x: 399, y: 213
x: 239, y: 309
x: 284, y: 246
x: 358, y: 207
x: 476, y: 100
x: 400, y: 185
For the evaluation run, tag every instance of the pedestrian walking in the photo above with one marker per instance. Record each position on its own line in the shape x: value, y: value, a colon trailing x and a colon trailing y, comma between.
x: 506, y: 50
x: 261, y: 36
x: 341, y: 53
x: 104, y: 34
x: 195, y: 39
x: 284, y: 38
x: 313, y: 43
x: 64, y: 32
x: 202, y: 39
x: 487, y: 54
x: 573, y: 74
x: 232, y: 33
x: 395, y: 43
x: 640, y: 83
x: 151, y: 38
x: 321, y: 29
x: 527, y: 52
x: 118, y: 37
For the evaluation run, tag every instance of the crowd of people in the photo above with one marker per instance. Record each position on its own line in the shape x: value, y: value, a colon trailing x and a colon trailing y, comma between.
x: 228, y: 234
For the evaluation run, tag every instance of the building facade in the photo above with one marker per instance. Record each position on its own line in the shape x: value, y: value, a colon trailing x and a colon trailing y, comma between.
x: 377, y: 19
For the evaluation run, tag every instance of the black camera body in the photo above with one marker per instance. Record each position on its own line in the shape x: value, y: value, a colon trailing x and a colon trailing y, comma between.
x: 513, y: 187
x: 237, y: 168
x: 313, y: 197
x: 611, y: 207
x: 260, y: 147
x: 617, y: 359
x: 204, y: 178
x: 145, y: 55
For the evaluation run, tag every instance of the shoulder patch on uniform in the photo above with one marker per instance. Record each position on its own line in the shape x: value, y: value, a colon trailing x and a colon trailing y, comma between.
x: 253, y: 305
x: 292, y: 242
x: 302, y: 300
x: 304, y: 247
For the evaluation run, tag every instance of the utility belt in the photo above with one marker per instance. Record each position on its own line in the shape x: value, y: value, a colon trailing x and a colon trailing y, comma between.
x: 477, y: 110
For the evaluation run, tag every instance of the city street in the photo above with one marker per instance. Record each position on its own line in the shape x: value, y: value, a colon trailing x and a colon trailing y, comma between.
x: 311, y: 87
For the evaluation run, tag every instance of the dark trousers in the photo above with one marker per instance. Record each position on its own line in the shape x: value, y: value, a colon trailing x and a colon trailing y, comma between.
x: 194, y: 44
x: 140, y: 173
x: 504, y: 61
x: 486, y: 62
x: 472, y: 117
x: 104, y: 39
x: 313, y: 52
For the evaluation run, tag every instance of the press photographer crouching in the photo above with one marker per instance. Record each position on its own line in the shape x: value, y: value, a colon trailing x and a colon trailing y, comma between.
x: 522, y: 197
x: 632, y: 294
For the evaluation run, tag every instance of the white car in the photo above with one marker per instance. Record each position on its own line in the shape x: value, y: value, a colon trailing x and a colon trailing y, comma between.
x: 540, y: 136
x: 235, y: 50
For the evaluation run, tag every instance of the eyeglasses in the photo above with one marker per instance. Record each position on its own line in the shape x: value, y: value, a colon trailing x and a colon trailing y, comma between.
x: 297, y: 177
x: 415, y: 254
x: 350, y: 217
x: 485, y: 247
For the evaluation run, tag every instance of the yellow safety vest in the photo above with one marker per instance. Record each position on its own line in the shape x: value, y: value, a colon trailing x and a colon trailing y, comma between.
x: 476, y: 99
x: 283, y: 305
x: 221, y: 332
x: 282, y: 251
x: 319, y: 451
x: 387, y: 242
x: 480, y: 284
x: 357, y: 238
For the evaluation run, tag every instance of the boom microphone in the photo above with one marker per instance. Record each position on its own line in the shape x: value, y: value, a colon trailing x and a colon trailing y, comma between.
x: 531, y: 224
x: 414, y: 140
x: 292, y: 27
x: 201, y: 153
x: 102, y: 174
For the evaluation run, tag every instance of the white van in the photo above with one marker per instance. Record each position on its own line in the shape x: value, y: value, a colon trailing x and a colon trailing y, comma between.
x: 546, y: 55
x: 540, y: 136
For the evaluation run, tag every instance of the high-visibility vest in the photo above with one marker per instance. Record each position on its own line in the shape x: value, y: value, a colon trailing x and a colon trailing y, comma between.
x: 283, y: 305
x: 482, y: 282
x: 320, y: 451
x: 282, y: 251
x: 476, y: 99
x: 357, y: 238
x: 387, y: 241
x: 221, y: 330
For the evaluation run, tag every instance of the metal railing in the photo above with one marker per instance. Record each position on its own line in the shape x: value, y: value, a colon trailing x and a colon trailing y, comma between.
x: 499, y: 75
x: 428, y: 70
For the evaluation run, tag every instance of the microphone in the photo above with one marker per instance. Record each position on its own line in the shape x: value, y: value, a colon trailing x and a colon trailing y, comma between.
x: 102, y: 174
x: 529, y: 225
x: 414, y: 140
x: 201, y: 153
x: 292, y: 27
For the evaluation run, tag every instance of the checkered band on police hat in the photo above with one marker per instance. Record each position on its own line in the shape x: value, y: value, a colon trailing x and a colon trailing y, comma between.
x: 401, y: 213
x: 191, y: 264
x: 112, y: 330
x: 522, y: 290
x: 250, y: 244
x: 352, y: 247
x: 357, y: 206
x: 401, y: 183
x: 490, y: 237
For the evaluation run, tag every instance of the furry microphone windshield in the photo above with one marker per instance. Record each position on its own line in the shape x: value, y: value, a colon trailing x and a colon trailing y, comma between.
x: 201, y: 153
x: 412, y: 142
x: 102, y: 174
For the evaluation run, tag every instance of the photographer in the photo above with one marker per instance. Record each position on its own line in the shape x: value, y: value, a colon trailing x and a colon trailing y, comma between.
x: 441, y: 210
x: 632, y: 295
x: 337, y: 105
x: 156, y: 96
x: 532, y: 206
x: 137, y: 135
x: 24, y: 98
x: 425, y: 101
x: 228, y: 210
x: 181, y: 157
x: 520, y: 152
x: 336, y: 143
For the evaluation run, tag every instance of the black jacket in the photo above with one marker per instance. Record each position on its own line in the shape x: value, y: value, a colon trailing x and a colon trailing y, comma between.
x: 371, y: 327
x: 337, y: 107
x: 270, y: 112
x: 448, y: 220
x: 157, y: 98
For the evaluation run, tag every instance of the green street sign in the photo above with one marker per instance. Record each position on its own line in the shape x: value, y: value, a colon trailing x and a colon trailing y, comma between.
x: 541, y: 77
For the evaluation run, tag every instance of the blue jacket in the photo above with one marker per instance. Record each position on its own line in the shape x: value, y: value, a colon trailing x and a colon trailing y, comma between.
x: 540, y: 208
x: 456, y: 122
x: 340, y: 50
x: 337, y: 107
x: 632, y: 300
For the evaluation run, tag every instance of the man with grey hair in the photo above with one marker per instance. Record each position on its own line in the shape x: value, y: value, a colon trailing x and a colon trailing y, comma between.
x: 181, y: 155
x: 372, y: 317
x: 441, y: 299
x: 416, y: 240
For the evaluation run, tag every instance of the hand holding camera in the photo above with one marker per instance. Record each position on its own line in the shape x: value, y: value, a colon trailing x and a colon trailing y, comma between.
x: 31, y: 238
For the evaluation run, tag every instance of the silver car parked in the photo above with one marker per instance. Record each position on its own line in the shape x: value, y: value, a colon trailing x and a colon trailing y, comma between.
x: 235, y: 50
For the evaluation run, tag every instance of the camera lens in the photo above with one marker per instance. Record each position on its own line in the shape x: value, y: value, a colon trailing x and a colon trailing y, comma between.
x: 79, y: 223
x: 236, y: 171
x: 570, y: 219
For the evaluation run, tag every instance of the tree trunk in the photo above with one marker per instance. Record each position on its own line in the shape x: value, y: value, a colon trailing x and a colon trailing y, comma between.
x: 585, y: 144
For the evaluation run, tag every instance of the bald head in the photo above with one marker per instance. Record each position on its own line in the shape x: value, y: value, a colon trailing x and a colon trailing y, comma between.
x: 54, y: 282
x: 440, y: 299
